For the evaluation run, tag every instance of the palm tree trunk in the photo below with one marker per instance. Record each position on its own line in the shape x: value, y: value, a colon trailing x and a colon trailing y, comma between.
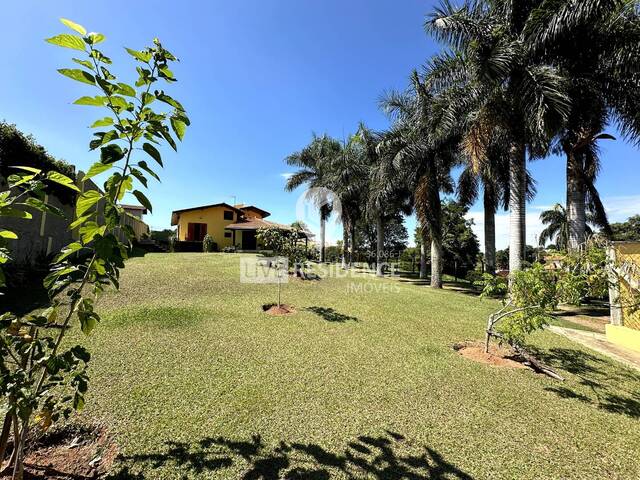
x: 576, y: 208
x: 517, y: 207
x: 379, y: 245
x: 436, y: 262
x: 489, y: 229
x: 323, y: 223
x: 352, y: 244
x: 423, y: 253
x: 345, y: 243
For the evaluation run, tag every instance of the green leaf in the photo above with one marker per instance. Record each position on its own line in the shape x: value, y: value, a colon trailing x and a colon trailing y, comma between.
x: 79, y: 221
x: 8, y: 234
x: 142, y: 56
x: 153, y: 152
x: 167, y: 99
x: 68, y: 250
x: 139, y: 175
x: 143, y: 165
x: 111, y: 153
x: 67, y: 40
x: 96, y: 169
x: 74, y: 26
x: 78, y: 399
x: 104, y: 122
x: 103, y: 137
x: 147, y: 98
x: 79, y: 75
x: 62, y: 180
x: 14, y: 212
x: 84, y: 63
x: 28, y: 169
x: 124, y: 89
x: 56, y: 274
x: 97, y: 101
x: 96, y: 38
x: 127, y: 184
x: 44, y: 207
x: 87, y: 200
x: 143, y: 200
x: 179, y: 127
x: 89, y: 231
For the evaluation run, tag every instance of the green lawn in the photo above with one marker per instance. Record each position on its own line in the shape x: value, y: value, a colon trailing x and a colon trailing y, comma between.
x: 195, y: 381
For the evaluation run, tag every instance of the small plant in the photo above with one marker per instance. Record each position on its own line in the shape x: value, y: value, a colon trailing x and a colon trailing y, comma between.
x: 493, y: 286
x: 43, y: 378
x: 208, y: 245
x: 532, y: 298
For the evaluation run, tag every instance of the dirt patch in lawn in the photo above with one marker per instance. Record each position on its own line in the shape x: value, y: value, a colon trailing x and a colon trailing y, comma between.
x: 70, y: 453
x: 498, y: 356
x: 275, y: 309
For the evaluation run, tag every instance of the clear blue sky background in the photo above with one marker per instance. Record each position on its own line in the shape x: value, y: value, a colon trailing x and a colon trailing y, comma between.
x: 257, y: 78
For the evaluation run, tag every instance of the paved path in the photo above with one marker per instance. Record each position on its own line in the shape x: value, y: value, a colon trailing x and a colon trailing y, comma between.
x: 599, y: 343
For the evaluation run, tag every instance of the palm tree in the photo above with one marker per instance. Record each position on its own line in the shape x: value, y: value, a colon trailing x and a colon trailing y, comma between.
x: 314, y: 161
x: 557, y: 228
x: 498, y: 80
x: 347, y: 178
x: 425, y: 159
x: 387, y: 198
x: 603, y: 87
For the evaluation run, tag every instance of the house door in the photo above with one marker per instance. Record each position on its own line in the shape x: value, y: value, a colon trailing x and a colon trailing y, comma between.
x: 196, y: 232
x: 249, y: 240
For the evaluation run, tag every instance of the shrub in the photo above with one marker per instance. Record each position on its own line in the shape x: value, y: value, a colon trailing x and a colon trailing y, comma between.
x: 208, y: 245
x: 231, y: 249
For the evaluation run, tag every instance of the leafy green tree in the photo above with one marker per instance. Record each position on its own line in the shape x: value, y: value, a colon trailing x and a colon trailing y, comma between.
x: 36, y: 366
x: 628, y: 231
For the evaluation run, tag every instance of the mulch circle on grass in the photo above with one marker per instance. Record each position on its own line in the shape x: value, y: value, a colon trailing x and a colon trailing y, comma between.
x: 274, y: 309
x: 70, y: 453
x: 498, y: 356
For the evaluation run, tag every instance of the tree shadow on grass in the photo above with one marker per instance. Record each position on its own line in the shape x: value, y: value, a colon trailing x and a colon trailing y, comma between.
x: 330, y: 315
x: 389, y: 456
x: 601, y: 383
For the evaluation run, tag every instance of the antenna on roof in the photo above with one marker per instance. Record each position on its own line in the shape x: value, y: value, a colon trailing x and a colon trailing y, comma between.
x: 234, y: 199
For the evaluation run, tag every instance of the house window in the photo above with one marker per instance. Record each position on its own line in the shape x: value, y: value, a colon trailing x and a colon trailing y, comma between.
x: 227, y: 234
x: 228, y: 215
x: 196, y: 232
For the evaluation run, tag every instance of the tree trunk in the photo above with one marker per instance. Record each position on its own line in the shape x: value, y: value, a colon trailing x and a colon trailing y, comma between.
x: 4, y: 437
x: 352, y: 244
x: 345, y: 243
x: 576, y: 214
x: 323, y: 223
x: 379, y: 246
x: 436, y: 262
x: 517, y: 207
x: 489, y: 230
x: 423, y: 253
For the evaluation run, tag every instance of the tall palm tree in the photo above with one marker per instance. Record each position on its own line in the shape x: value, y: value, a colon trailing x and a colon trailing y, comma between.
x: 499, y: 81
x: 347, y: 178
x: 314, y: 161
x: 604, y: 87
x: 557, y: 228
x: 425, y: 159
x: 386, y: 196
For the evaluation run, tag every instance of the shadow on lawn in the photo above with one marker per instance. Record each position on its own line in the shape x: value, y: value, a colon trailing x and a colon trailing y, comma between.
x: 366, y: 457
x: 330, y: 315
x: 602, y: 384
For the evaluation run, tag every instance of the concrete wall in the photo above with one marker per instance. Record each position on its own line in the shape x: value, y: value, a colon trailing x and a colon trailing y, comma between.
x: 45, y: 234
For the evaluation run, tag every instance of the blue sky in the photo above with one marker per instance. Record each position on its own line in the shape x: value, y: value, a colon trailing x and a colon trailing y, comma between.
x: 257, y: 78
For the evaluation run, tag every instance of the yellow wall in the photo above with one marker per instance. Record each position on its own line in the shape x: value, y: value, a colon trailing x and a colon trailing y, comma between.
x: 629, y: 252
x: 214, y: 218
x: 623, y: 336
